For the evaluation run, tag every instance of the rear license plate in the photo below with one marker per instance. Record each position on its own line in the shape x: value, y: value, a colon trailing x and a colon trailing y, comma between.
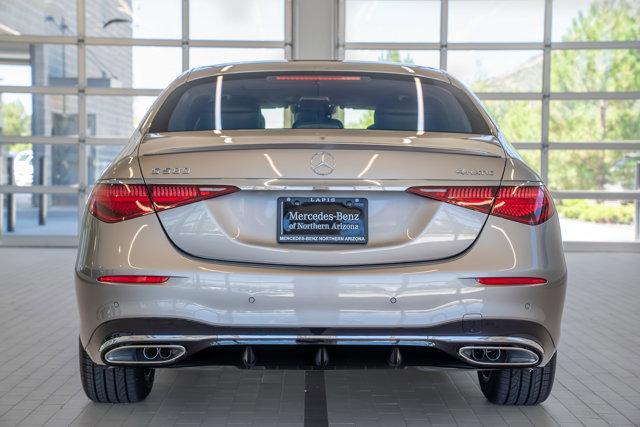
x: 339, y: 220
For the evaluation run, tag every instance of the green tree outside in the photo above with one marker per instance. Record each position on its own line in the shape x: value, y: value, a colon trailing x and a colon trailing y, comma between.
x: 16, y: 122
x: 580, y: 121
x: 586, y: 121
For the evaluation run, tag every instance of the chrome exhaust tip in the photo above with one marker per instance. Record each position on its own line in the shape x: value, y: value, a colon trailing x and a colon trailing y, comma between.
x: 498, y: 356
x: 150, y: 353
x: 144, y: 354
x: 477, y: 353
x: 493, y: 354
x: 164, y: 353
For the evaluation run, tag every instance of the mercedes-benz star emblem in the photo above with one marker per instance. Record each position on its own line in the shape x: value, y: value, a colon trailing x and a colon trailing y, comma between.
x: 323, y: 163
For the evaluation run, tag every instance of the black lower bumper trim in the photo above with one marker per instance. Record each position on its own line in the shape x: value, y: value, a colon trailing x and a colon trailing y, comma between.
x: 321, y: 354
x: 337, y: 357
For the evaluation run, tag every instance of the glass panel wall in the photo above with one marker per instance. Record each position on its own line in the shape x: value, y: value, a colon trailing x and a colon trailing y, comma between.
x: 595, y: 20
x: 142, y: 19
x: 42, y: 18
x: 597, y: 220
x: 425, y: 58
x: 496, y: 21
x: 200, y: 56
x: 498, y: 70
x: 129, y: 50
x: 397, y: 21
x: 29, y: 214
x: 237, y: 19
x: 561, y: 78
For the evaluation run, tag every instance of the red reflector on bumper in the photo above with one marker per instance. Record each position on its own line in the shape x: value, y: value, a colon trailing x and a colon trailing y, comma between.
x: 511, y: 281
x: 133, y: 279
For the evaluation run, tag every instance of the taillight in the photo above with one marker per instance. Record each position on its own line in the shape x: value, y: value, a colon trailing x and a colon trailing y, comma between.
x: 120, y: 201
x: 528, y: 204
x: 476, y: 198
x: 128, y: 279
x: 171, y: 196
x: 506, y: 281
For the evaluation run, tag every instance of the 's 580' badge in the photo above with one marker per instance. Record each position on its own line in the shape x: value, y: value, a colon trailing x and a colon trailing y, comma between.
x: 171, y: 171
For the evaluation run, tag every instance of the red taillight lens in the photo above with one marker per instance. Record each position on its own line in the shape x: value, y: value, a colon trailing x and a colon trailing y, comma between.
x: 506, y: 281
x: 476, y: 198
x: 120, y: 201
x: 133, y: 279
x: 526, y: 204
x: 171, y: 196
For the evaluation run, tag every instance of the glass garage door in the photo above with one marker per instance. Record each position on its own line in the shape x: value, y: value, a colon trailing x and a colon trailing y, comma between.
x: 561, y: 77
x: 76, y: 78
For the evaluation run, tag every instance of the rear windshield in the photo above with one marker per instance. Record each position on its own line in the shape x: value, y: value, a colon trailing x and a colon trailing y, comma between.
x: 319, y: 101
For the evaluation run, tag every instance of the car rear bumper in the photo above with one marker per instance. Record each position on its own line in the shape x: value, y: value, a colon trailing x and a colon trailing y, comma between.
x: 318, y: 348
x: 406, y: 300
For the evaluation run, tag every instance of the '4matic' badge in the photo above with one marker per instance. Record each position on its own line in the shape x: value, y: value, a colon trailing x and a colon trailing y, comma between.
x: 171, y: 171
x: 463, y: 171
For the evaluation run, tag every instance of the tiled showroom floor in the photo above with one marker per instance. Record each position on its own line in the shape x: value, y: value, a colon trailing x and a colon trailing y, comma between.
x: 598, y: 379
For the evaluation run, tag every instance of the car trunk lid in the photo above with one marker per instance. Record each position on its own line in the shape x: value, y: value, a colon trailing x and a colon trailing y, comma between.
x: 300, y: 165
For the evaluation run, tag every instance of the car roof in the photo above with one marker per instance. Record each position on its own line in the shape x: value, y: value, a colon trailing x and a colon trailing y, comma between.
x: 337, y: 66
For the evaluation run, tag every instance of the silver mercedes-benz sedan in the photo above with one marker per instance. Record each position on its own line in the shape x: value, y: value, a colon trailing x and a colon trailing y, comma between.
x: 319, y: 215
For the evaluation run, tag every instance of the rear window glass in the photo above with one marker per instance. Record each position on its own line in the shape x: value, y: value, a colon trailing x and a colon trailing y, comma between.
x: 319, y: 101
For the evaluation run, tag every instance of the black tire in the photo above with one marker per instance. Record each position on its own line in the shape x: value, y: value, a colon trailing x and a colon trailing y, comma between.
x: 522, y: 386
x: 114, y: 384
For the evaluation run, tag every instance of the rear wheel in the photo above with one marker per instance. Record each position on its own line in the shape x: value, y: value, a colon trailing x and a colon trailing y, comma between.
x: 522, y: 386
x: 114, y: 384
